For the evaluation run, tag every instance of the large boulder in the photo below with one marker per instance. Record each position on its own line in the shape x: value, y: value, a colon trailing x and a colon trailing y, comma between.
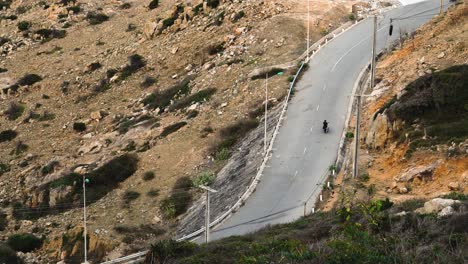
x: 436, y: 205
x: 380, y: 131
x: 421, y: 172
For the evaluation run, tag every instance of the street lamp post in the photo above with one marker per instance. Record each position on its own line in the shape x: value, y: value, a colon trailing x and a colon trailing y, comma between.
x: 308, y: 30
x: 208, y: 190
x: 85, y: 233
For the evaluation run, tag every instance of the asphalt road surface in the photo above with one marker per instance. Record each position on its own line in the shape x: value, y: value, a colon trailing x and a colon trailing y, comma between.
x: 302, y: 153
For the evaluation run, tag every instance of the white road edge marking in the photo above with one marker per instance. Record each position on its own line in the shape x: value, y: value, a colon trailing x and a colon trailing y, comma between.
x: 305, y: 149
x: 318, y: 106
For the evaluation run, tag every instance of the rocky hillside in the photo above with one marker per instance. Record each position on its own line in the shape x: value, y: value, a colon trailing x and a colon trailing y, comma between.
x: 141, y: 98
x: 416, y: 134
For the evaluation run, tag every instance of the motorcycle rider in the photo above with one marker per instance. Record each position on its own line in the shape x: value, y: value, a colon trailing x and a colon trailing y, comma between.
x: 325, y: 126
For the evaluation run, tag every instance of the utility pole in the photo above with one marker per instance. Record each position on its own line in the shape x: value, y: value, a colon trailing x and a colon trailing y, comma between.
x: 359, y: 100
x: 441, y: 3
x: 85, y: 233
x: 266, y: 115
x: 308, y: 30
x: 374, y: 40
x: 208, y: 190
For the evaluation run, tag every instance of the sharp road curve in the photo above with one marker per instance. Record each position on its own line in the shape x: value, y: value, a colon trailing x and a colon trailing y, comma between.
x: 302, y: 153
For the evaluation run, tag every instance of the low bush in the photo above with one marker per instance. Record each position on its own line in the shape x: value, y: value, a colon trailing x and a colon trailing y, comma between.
x: 239, y: 15
x: 14, y: 111
x: 152, y: 193
x: 79, y: 126
x: 153, y: 4
x: 230, y: 135
x: 49, y: 167
x: 162, y: 99
x: 74, y: 9
x: 197, y: 97
x: 212, y: 3
x: 141, y: 232
x: 24, y: 242
x: 135, y: 62
x: 29, y: 79
x: 456, y: 196
x: 204, y: 178
x: 130, y: 196
x: 96, y: 18
x: 24, y: 25
x: 125, y: 6
x: 349, y: 135
x: 352, y: 17
x: 2, y: 70
x: 148, y: 81
x: 8, y: 135
x: 172, y: 129
x: 148, y: 175
x: 48, y: 34
x: 192, y: 114
x: 167, y: 249
x: 4, y: 40
x: 3, y: 222
x: 215, y: 48
x: 222, y: 154
x: 5, y: 4
x: 102, y: 86
x: 4, y: 168
x: 179, y: 200
x: 20, y: 148
x: 8, y: 255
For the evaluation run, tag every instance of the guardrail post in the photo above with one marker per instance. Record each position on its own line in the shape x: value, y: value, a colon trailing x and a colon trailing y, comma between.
x: 305, y: 208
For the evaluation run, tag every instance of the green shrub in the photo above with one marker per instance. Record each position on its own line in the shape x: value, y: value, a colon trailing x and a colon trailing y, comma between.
x: 14, y: 111
x: 411, y: 205
x: 8, y: 255
x: 148, y: 175
x: 125, y: 6
x: 29, y: 79
x: 96, y: 18
x: 172, y: 129
x: 192, y: 114
x: 24, y: 25
x: 197, y: 97
x: 204, y: 178
x: 215, y: 48
x: 148, y: 81
x: 48, y: 34
x: 222, y: 154
x: 162, y: 99
x: 79, y: 126
x: 153, y: 4
x: 179, y: 200
x: 239, y: 15
x: 49, y: 167
x: 3, y: 222
x: 5, y: 4
x: 24, y: 242
x: 102, y: 86
x: 166, y: 249
x: 364, y: 177
x: 324, y: 31
x: 75, y: 9
x: 349, y: 135
x: 135, y: 62
x: 4, y: 168
x: 212, y: 3
x: 152, y: 193
x: 231, y: 134
x: 130, y: 196
x: 352, y: 17
x: 456, y: 196
x: 168, y: 22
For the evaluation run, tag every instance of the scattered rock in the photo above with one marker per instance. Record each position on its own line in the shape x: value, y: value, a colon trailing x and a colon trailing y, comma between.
x: 446, y: 211
x: 454, y: 186
x: 441, y: 55
x: 402, y: 190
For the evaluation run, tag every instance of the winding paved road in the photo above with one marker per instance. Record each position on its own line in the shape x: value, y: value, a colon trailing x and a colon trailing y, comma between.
x: 302, y: 153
